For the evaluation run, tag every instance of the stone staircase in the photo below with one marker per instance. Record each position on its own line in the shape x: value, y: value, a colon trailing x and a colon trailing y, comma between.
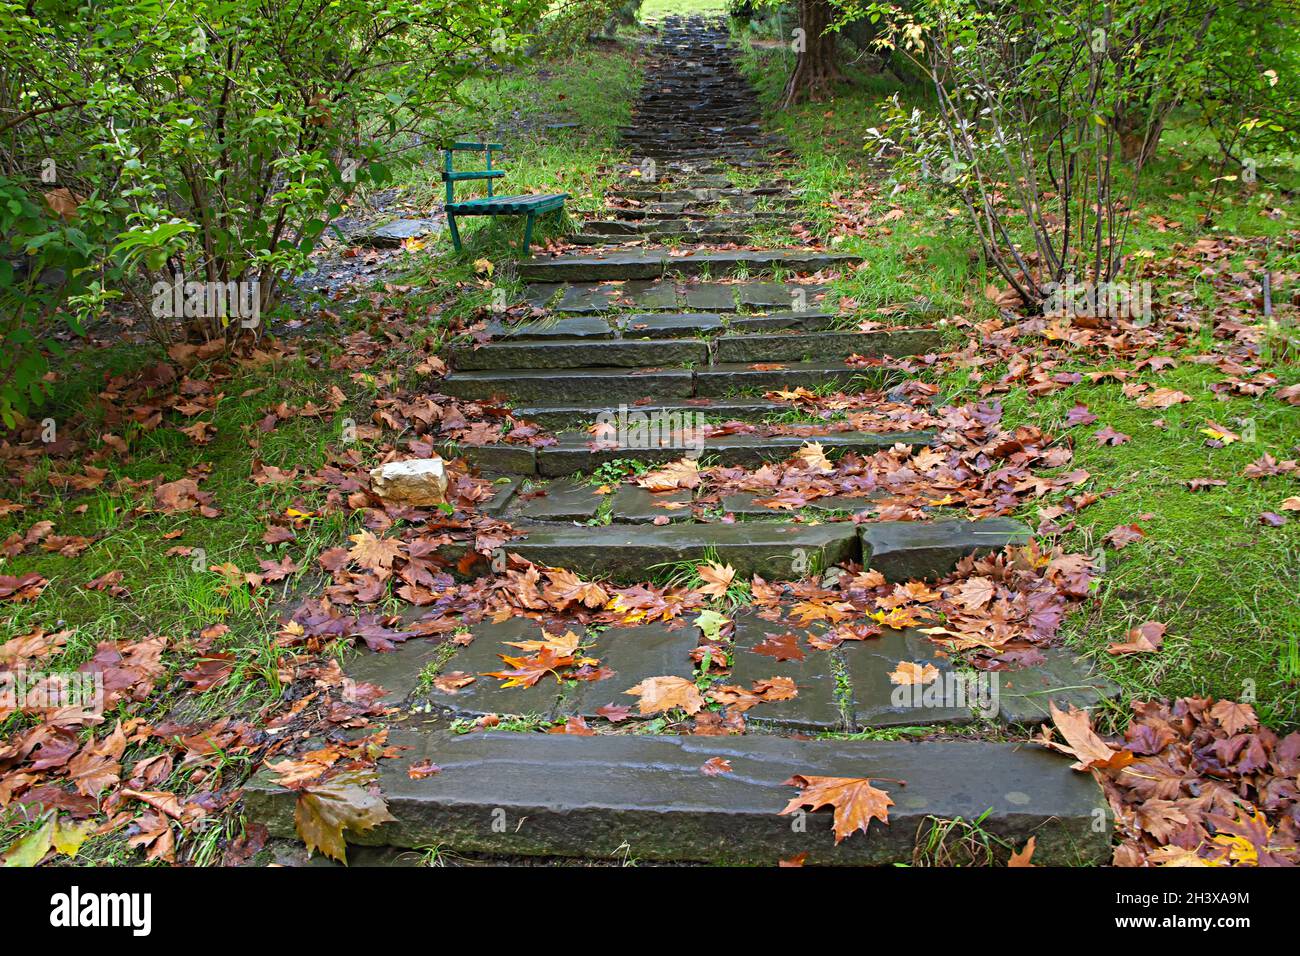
x: 651, y: 322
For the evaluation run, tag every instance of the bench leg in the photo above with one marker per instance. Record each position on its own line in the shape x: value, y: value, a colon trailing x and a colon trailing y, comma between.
x: 455, y: 233
x: 528, y: 233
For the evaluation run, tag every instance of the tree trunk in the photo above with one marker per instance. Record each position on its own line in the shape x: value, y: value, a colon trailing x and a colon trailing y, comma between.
x: 815, y: 71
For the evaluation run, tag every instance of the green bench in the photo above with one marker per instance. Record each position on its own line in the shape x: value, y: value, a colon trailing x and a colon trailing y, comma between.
x: 530, y: 206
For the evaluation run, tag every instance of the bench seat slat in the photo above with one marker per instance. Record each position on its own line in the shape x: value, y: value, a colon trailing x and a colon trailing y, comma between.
x: 507, y: 205
x: 473, y: 174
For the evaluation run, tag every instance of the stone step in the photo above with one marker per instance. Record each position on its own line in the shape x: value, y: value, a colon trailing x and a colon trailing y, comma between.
x: 651, y: 264
x: 587, y: 386
x: 825, y: 346
x: 733, y: 379
x: 649, y: 294
x: 774, y: 550
x: 557, y: 417
x: 578, y: 385
x: 907, y: 550
x: 610, y: 796
x: 574, y: 454
x: 661, y: 340
x: 569, y: 354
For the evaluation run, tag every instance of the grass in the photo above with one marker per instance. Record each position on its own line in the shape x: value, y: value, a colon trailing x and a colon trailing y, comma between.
x: 654, y: 10
x: 1223, y: 583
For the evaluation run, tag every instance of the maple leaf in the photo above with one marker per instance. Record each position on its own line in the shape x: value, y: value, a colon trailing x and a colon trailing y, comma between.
x: 813, y: 456
x: 783, y: 647
x: 1021, y: 857
x: 741, y: 700
x: 1162, y: 398
x: 855, y: 800
x: 909, y: 672
x: 565, y: 587
x: 1143, y: 639
x: 976, y: 592
x: 614, y: 713
x: 452, y: 682
x: 1121, y: 536
x: 717, y: 578
x: 1082, y: 742
x: 566, y: 644
x: 684, y: 473
x: 573, y: 725
x: 529, y: 670
x: 714, y: 766
x: 344, y: 802
x: 374, y: 553
x: 711, y: 624
x: 659, y: 694
x: 1234, y: 717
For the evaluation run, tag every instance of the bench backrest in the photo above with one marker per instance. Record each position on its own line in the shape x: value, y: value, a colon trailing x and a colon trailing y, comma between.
x: 451, y: 177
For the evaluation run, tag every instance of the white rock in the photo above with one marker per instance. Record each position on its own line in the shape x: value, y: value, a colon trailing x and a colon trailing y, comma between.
x: 419, y: 481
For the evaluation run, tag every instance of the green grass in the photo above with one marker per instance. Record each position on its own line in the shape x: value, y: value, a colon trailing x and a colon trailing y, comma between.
x: 652, y: 10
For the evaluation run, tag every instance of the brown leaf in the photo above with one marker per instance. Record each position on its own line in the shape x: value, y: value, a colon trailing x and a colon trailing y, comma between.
x: 1143, y: 639
x: 1022, y: 857
x: 325, y: 810
x: 659, y: 694
x: 855, y: 800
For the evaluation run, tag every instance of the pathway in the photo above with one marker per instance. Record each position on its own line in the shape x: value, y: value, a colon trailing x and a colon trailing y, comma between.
x: 654, y: 344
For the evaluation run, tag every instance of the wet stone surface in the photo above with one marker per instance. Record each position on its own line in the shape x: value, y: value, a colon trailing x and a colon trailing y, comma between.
x: 879, y: 702
x: 816, y: 706
x: 560, y: 500
x: 634, y: 654
x: 634, y: 505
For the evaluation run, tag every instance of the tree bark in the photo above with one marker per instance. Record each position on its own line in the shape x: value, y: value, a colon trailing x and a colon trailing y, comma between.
x: 815, y: 71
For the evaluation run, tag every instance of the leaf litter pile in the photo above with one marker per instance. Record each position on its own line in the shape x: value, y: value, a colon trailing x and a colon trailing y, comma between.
x: 1192, y: 782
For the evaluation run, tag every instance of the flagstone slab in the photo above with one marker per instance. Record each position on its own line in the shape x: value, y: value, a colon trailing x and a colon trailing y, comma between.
x: 738, y: 378
x: 498, y: 458
x: 635, y: 505
x: 558, y: 417
x: 568, y: 354
x: 397, y: 671
x: 824, y: 346
x: 671, y: 324
x: 634, y: 654
x: 926, y: 550
x: 1063, y: 678
x: 505, y: 489
x: 879, y: 702
x: 809, y: 321
x: 607, y: 796
x: 575, y: 385
x: 650, y: 264
x: 587, y: 298
x: 717, y: 297
x: 775, y: 550
x: 561, y: 501
x: 815, y: 707
x: 486, y: 695
x: 551, y: 327
x: 655, y: 294
x: 573, y: 454
x: 745, y: 504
